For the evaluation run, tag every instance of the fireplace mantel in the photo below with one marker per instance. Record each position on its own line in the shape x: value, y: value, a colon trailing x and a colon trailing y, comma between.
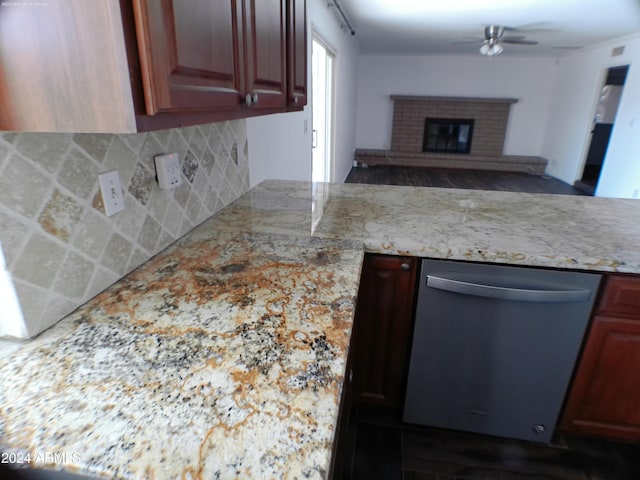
x: 454, y: 99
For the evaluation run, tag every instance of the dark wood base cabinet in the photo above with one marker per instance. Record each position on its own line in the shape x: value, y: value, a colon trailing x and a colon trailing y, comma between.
x: 378, y: 359
x: 383, y: 325
x: 604, y: 399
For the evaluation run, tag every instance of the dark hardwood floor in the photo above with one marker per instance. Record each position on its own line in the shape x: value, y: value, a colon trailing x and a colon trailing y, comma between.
x: 460, y: 178
x: 387, y: 449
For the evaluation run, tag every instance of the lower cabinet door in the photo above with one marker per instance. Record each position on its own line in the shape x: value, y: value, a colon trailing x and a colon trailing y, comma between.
x: 605, y: 397
x: 382, y: 329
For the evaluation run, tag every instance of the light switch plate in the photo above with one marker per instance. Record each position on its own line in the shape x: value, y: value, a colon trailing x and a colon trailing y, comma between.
x: 112, y: 195
x: 168, y: 170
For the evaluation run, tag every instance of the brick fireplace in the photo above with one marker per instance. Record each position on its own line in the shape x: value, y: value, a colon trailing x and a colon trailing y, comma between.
x: 489, y: 118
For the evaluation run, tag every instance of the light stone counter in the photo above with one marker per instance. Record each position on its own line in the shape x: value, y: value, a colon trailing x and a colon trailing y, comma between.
x: 223, y: 356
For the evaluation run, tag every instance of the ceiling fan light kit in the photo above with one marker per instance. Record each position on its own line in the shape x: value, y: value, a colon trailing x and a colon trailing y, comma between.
x: 491, y: 49
x: 493, y: 39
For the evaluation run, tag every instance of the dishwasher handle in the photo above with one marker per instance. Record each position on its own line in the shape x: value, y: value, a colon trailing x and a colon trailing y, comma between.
x: 507, y: 293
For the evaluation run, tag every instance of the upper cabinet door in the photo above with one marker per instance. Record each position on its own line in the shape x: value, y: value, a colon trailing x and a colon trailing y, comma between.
x: 190, y: 54
x: 297, y: 53
x: 266, y: 52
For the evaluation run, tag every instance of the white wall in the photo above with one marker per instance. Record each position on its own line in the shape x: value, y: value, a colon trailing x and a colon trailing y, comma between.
x: 578, y: 82
x: 280, y: 145
x: 529, y: 80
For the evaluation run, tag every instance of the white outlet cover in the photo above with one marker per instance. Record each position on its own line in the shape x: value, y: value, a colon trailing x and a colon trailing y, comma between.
x: 168, y: 170
x: 112, y: 195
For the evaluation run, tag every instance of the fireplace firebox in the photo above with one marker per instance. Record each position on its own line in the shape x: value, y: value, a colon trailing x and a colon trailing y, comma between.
x: 447, y: 135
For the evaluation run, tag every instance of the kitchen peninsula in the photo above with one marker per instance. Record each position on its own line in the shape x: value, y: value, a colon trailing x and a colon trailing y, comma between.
x: 224, y: 355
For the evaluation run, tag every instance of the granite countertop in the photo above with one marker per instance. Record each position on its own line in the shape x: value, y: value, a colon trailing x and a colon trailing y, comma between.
x: 224, y: 356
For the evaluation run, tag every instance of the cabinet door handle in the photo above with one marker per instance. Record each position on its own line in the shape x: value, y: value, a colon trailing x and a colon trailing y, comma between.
x: 255, y: 99
x: 295, y: 100
x: 405, y: 266
x: 248, y: 100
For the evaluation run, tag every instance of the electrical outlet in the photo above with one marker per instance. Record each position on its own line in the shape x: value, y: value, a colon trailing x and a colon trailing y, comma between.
x: 168, y: 170
x: 112, y: 195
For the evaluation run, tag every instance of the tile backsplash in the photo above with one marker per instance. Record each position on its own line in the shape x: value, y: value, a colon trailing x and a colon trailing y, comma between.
x: 60, y: 247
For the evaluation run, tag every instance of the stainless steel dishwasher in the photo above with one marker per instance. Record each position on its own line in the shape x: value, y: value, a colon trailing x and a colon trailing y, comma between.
x: 494, y: 347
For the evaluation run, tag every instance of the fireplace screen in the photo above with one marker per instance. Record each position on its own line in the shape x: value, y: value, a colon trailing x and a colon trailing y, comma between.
x: 448, y: 135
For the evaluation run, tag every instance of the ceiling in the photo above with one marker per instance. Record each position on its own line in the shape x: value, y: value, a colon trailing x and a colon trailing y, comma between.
x: 434, y: 26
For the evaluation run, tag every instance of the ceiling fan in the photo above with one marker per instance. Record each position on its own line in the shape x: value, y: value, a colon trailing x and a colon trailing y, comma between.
x: 494, y: 38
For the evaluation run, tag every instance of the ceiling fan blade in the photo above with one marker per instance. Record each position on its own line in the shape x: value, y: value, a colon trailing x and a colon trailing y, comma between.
x: 530, y: 28
x: 467, y: 42
x: 519, y: 42
x: 512, y: 38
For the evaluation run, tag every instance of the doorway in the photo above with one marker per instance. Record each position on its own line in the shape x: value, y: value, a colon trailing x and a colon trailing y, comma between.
x: 608, y: 101
x: 322, y: 80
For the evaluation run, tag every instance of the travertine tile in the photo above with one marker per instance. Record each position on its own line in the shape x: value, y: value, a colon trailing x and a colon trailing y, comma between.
x: 142, y: 184
x: 149, y: 234
x: 40, y: 261
x: 56, y: 307
x: 66, y: 204
x: 46, y: 149
x: 32, y: 300
x: 190, y: 166
x: 200, y: 184
x: 79, y: 174
x: 116, y: 254
x: 9, y: 137
x: 205, y: 130
x: 193, y: 208
x: 234, y: 153
x: 60, y: 215
x: 187, y: 133
x: 74, y: 276
x: 98, y: 204
x: 239, y: 128
x: 102, y: 278
x: 23, y: 188
x: 198, y: 142
x: 134, y: 141
x: 13, y: 234
x: 92, y: 233
x: 149, y: 150
x: 158, y: 203
x: 215, y: 138
x: 186, y: 226
x: 130, y: 220
x: 4, y: 152
x: 177, y: 145
x: 228, y: 138
x: 95, y: 144
x: 207, y: 160
x: 138, y: 257
x: 165, y: 240
x: 181, y: 194
x: 121, y: 158
x: 211, y: 199
x: 173, y: 218
x: 163, y: 137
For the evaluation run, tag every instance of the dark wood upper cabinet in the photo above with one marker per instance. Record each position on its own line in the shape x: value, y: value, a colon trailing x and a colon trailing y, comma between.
x: 382, y: 329
x: 604, y: 399
x: 191, y: 54
x: 266, y: 50
x: 123, y: 66
x: 297, y: 55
